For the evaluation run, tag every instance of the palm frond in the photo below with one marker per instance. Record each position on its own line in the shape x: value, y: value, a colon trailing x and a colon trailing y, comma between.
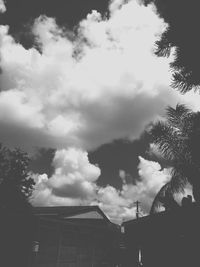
x: 159, y: 198
x: 178, y: 181
x: 164, y: 198
x: 177, y: 138
x: 176, y: 117
x: 183, y: 82
x: 163, y: 46
x: 166, y: 138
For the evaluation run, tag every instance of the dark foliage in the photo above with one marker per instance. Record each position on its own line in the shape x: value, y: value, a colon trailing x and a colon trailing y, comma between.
x: 182, y: 17
x: 15, y: 183
x: 177, y: 138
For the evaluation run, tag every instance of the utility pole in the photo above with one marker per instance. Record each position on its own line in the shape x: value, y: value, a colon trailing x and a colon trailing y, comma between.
x: 137, y: 203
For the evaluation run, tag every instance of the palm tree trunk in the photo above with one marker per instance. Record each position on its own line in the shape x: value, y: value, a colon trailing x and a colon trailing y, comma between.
x: 196, y: 193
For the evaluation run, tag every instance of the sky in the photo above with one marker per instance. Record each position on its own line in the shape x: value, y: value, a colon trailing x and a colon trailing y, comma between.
x: 79, y: 83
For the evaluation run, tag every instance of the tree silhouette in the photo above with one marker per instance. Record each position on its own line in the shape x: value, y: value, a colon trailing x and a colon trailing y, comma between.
x: 182, y: 34
x: 17, y: 220
x: 177, y: 138
x: 15, y: 183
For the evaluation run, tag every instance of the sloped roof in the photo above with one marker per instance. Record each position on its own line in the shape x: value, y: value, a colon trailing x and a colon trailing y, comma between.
x: 71, y: 212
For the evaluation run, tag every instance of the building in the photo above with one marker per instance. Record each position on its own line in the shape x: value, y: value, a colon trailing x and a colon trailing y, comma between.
x: 82, y: 236
x: 16, y: 235
x: 165, y: 239
x: 74, y: 236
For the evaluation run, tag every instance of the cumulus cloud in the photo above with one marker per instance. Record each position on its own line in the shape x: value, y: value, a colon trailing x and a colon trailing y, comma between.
x: 74, y: 183
x: 2, y: 6
x: 153, y: 177
x: 84, y: 89
x: 119, y: 205
x: 73, y: 180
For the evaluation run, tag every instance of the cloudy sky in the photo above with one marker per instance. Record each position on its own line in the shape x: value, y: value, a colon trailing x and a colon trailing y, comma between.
x: 80, y: 78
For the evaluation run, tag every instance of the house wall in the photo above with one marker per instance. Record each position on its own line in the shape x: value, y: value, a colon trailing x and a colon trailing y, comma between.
x: 27, y: 240
x: 74, y: 245
x: 16, y: 235
x: 170, y: 239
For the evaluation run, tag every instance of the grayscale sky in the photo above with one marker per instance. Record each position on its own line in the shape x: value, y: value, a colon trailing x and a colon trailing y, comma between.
x: 81, y: 77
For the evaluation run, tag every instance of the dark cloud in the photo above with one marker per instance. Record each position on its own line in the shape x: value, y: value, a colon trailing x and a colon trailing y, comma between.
x: 74, y: 183
x: 41, y: 162
x: 74, y: 190
x: 119, y: 155
x: 111, y: 158
x: 21, y: 13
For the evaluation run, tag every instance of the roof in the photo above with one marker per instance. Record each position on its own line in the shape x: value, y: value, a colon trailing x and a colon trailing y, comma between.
x: 71, y: 212
x: 180, y: 212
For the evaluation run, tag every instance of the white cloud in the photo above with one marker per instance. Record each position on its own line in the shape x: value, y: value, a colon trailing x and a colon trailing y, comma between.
x: 109, y: 90
x: 74, y: 183
x: 2, y: 6
x: 116, y: 5
x: 119, y: 205
x: 83, y: 91
x: 74, y: 178
x: 152, y: 179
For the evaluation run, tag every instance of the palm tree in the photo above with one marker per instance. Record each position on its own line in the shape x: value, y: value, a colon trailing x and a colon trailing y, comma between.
x: 177, y: 139
x: 181, y: 40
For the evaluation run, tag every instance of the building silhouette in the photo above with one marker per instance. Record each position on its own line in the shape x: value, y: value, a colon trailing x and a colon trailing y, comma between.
x: 74, y: 236
x: 82, y: 236
x: 166, y: 239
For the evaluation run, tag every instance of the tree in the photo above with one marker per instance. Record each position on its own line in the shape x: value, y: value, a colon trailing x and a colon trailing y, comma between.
x: 182, y: 39
x: 164, y: 198
x: 17, y: 220
x: 15, y: 182
x: 177, y: 138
